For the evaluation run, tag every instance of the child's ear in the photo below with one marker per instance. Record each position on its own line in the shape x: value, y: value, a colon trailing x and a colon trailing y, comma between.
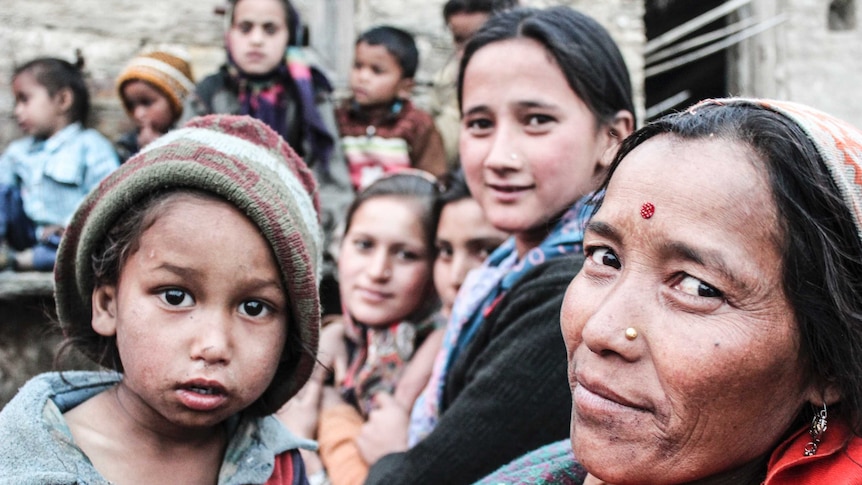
x: 105, y: 310
x: 405, y: 87
x: 64, y: 98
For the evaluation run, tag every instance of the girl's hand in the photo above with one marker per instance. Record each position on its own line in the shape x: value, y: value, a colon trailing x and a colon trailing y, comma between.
x: 385, y: 431
x: 332, y: 353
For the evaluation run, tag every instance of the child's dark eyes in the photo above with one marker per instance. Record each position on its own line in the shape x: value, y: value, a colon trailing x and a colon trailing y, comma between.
x: 479, y: 125
x: 176, y: 297
x: 363, y: 244
x: 444, y: 250
x: 538, y: 120
x: 254, y: 308
x: 407, y: 255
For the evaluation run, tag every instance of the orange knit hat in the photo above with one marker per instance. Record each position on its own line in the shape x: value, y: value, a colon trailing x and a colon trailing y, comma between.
x: 169, y: 72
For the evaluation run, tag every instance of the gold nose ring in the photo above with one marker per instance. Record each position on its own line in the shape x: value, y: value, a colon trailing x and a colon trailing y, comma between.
x: 631, y: 333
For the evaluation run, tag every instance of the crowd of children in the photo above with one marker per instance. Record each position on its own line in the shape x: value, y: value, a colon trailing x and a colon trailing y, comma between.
x: 352, y: 211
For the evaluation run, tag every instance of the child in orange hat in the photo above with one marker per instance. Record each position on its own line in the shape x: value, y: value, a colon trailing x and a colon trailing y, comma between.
x: 152, y: 87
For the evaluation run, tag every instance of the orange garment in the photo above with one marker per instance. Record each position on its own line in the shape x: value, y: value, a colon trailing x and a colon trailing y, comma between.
x: 838, y: 460
x: 336, y: 434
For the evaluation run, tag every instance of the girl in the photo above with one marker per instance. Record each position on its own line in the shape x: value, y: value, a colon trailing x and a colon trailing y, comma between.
x: 45, y: 175
x: 545, y: 98
x: 152, y: 88
x: 208, y: 335
x: 465, y: 239
x: 385, y: 272
x: 267, y: 77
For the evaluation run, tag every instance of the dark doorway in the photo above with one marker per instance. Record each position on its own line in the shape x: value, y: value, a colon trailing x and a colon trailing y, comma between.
x: 678, y: 87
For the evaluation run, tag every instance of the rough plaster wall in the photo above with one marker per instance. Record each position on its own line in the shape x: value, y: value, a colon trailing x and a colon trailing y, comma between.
x: 822, y: 67
x: 109, y: 32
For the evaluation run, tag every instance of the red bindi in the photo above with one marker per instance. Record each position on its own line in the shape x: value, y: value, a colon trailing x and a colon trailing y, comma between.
x: 647, y: 210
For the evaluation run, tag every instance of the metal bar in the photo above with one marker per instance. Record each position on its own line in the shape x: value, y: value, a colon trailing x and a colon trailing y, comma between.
x: 693, y: 24
x: 713, y: 48
x: 700, y: 40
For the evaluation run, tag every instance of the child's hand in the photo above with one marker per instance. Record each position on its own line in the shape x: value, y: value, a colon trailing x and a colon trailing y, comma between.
x: 147, y: 134
x: 301, y: 413
x: 52, y: 232
x: 385, y: 431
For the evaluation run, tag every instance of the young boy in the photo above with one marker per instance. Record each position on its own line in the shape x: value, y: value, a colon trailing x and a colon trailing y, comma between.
x: 463, y: 18
x: 381, y: 130
x: 152, y: 88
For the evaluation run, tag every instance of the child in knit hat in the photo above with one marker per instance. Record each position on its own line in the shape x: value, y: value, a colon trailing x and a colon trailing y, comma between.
x: 152, y: 87
x: 192, y: 272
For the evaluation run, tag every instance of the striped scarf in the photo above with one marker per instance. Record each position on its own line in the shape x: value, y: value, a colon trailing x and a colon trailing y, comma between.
x: 483, y: 288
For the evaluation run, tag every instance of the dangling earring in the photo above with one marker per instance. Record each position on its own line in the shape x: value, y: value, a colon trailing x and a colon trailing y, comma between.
x: 818, y: 427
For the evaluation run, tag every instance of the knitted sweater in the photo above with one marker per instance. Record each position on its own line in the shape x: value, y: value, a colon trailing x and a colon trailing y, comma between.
x: 506, y: 394
x: 38, y: 448
x: 402, y: 137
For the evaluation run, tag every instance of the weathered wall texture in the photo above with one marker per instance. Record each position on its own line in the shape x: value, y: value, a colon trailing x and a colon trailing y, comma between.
x: 804, y: 60
x: 109, y: 32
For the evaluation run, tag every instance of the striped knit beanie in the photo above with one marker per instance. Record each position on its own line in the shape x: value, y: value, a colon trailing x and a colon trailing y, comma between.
x: 166, y: 70
x: 243, y: 161
x: 838, y: 143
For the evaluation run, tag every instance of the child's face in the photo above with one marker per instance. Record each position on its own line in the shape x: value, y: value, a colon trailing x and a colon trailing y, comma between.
x: 150, y: 108
x: 258, y: 35
x: 530, y: 147
x: 38, y: 113
x: 463, y: 25
x: 464, y: 239
x: 376, y: 77
x: 384, y: 268
x: 200, y: 321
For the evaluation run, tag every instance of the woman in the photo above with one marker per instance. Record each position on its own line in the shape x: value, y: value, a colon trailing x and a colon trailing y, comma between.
x: 715, y: 330
x: 545, y: 99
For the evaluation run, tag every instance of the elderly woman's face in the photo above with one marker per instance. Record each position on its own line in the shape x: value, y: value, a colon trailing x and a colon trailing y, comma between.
x: 685, y: 251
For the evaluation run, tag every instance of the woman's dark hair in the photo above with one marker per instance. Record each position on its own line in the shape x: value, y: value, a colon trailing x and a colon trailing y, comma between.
x: 587, y: 55
x: 822, y: 253
x: 56, y: 75
x: 411, y: 184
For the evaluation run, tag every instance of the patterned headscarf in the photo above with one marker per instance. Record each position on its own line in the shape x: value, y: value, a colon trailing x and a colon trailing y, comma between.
x: 838, y: 143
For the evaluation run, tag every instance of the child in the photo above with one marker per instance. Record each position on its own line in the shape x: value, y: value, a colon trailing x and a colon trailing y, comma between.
x: 208, y: 335
x: 381, y: 130
x: 463, y: 18
x: 385, y: 268
x: 546, y: 98
x: 152, y: 87
x: 465, y: 238
x: 267, y: 77
x: 45, y: 175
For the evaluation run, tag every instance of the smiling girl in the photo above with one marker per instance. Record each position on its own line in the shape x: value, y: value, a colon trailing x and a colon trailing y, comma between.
x: 545, y: 99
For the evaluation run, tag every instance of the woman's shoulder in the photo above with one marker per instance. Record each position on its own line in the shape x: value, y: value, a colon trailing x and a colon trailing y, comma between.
x: 550, y: 272
x: 551, y: 464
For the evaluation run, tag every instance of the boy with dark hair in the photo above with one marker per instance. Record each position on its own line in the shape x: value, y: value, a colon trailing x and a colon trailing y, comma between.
x: 381, y: 130
x: 463, y: 18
